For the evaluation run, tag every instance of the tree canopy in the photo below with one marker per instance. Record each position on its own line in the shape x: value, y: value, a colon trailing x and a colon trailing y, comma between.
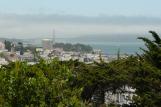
x: 73, y: 84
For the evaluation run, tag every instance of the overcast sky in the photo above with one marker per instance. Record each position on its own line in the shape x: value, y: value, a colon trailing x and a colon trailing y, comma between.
x: 71, y: 18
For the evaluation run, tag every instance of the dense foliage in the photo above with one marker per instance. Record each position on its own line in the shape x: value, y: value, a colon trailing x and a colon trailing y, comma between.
x: 7, y: 45
x: 40, y: 85
x: 73, y: 84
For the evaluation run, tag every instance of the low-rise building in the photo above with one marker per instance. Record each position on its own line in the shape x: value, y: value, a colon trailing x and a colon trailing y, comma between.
x: 120, y: 97
x: 3, y: 61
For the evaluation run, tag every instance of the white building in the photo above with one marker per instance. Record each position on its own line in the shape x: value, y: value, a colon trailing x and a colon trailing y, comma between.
x: 27, y: 56
x: 2, y: 46
x: 121, y: 97
x: 3, y: 61
x: 47, y: 44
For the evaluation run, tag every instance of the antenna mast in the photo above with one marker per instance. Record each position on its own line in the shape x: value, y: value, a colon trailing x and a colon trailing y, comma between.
x: 53, y: 36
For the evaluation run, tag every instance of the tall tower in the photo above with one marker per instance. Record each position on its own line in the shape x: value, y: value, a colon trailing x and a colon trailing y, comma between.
x: 53, y: 36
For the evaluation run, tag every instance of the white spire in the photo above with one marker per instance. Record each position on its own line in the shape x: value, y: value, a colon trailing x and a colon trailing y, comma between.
x: 53, y: 36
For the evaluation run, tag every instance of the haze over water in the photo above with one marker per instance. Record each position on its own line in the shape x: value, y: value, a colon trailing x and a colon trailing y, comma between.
x: 73, y: 18
x: 109, y: 47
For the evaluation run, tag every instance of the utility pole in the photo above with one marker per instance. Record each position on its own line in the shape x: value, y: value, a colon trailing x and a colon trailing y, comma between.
x: 53, y: 38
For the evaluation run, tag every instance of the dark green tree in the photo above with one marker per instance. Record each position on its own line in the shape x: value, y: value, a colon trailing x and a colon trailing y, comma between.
x: 7, y: 45
x: 153, y: 52
x: 21, y: 48
x: 146, y: 79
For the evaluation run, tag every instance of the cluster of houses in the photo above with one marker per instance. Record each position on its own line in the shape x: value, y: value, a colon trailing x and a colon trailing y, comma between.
x: 47, y: 53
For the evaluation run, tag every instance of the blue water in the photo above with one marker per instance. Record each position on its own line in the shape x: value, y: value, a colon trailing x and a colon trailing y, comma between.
x: 111, y: 48
x: 108, y: 47
x: 123, y: 47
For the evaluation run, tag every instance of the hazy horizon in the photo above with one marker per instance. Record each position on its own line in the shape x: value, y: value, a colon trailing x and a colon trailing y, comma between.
x: 40, y: 26
x: 78, y: 18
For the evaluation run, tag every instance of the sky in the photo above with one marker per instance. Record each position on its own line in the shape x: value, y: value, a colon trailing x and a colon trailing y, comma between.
x: 73, y: 18
x: 83, y: 7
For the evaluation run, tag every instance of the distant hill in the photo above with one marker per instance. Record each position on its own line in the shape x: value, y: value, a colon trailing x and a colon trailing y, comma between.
x: 87, y: 39
x: 74, y: 47
x: 12, y: 40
